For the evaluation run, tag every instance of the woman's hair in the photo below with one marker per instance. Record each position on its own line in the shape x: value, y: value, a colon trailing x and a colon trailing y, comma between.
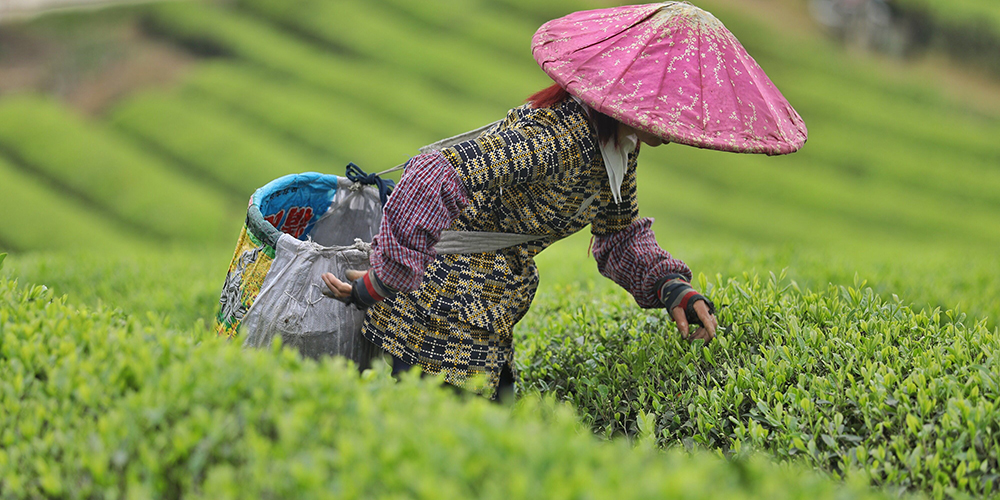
x: 551, y: 95
x: 607, y: 127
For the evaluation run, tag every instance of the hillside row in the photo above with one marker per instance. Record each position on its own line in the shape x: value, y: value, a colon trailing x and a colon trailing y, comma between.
x: 225, y: 129
x: 890, y: 161
x: 897, y: 184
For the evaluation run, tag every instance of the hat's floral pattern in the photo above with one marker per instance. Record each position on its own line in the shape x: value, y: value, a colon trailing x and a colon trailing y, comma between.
x: 673, y: 70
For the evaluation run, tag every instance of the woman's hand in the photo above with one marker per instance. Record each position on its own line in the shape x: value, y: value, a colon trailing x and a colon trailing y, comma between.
x: 363, y: 289
x: 340, y: 290
x: 705, y: 331
x: 687, y: 306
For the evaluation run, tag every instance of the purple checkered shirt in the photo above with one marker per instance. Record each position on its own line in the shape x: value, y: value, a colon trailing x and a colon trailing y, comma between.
x: 426, y: 201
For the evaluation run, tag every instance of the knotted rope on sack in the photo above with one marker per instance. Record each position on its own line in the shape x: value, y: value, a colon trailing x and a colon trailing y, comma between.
x: 385, y: 186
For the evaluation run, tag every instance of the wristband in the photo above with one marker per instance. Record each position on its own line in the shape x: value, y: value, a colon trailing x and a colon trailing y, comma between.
x: 368, y: 290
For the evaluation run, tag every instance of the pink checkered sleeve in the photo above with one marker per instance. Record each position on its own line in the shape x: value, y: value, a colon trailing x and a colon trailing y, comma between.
x: 633, y: 259
x: 426, y: 201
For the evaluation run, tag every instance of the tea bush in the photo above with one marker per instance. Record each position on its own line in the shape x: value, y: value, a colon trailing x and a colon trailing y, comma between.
x: 839, y: 377
x: 380, y: 33
x: 395, y: 94
x: 36, y: 217
x: 544, y: 11
x: 96, y: 404
x: 845, y: 205
x: 489, y: 25
x: 180, y: 286
x: 108, y: 171
x: 205, y: 137
x: 332, y: 124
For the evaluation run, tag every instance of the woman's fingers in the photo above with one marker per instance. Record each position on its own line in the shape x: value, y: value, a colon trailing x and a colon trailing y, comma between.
x: 338, y: 289
x: 681, y: 319
x: 707, y: 318
x: 703, y: 334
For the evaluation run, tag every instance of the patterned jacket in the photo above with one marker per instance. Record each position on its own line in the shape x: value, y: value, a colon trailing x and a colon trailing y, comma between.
x: 533, y: 173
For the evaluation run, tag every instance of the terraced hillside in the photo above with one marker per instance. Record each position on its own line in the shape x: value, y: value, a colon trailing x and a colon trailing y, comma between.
x: 135, y: 205
x: 898, y: 180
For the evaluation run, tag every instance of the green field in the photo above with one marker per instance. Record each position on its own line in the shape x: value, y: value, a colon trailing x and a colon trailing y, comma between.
x: 961, y: 12
x: 856, y: 279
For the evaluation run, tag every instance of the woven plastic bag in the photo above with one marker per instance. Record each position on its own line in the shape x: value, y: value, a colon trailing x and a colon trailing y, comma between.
x: 298, y: 227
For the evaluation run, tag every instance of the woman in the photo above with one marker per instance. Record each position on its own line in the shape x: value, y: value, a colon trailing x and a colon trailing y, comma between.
x: 550, y: 168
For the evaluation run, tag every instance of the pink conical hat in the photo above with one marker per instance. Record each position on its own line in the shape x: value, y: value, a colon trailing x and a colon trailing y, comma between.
x: 673, y: 70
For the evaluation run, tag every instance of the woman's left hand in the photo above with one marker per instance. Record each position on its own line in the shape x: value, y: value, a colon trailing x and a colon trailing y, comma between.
x: 687, y: 306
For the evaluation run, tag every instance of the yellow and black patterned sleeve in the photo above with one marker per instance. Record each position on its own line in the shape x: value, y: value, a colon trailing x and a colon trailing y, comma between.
x: 614, y: 217
x: 531, y: 145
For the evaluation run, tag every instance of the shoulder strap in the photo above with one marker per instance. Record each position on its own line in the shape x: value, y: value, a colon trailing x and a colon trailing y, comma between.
x: 457, y: 242
x: 446, y: 143
x: 455, y: 139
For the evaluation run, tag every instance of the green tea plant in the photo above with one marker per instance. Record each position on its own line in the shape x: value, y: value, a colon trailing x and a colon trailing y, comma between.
x: 544, y: 11
x: 108, y: 171
x: 488, y: 24
x: 97, y: 404
x: 36, y: 217
x: 384, y: 90
x: 846, y: 205
x: 179, y: 285
x: 840, y: 377
x: 379, y: 33
x: 897, y: 184
x: 331, y: 124
x: 206, y: 137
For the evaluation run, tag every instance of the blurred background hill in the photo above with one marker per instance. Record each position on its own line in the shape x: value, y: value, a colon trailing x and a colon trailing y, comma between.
x: 131, y: 136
